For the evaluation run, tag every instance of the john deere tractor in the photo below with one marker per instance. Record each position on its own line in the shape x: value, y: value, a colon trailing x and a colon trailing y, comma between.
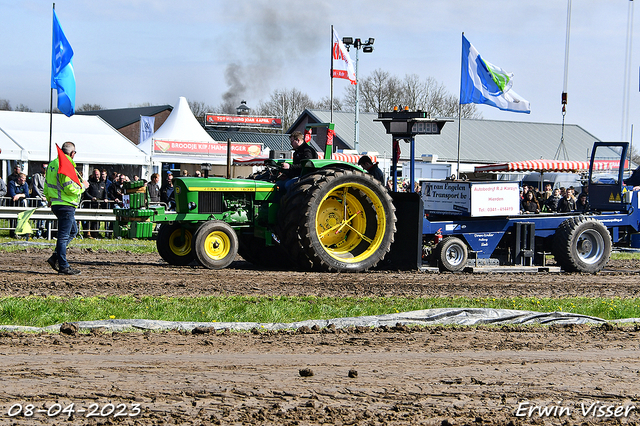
x: 336, y: 217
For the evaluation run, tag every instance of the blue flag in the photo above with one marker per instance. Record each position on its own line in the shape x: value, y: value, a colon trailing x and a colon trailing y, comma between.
x: 485, y: 83
x: 146, y: 127
x: 63, y: 78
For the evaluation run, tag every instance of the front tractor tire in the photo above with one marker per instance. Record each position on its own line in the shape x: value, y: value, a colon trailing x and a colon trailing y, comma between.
x: 174, y: 244
x: 582, y: 244
x: 215, y: 244
x: 337, y: 220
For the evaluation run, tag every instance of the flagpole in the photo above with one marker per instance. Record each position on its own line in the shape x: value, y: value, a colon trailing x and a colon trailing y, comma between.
x: 331, y: 97
x: 51, y: 110
x: 459, y: 121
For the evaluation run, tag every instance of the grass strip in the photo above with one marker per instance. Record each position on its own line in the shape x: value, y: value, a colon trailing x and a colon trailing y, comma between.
x: 43, y: 311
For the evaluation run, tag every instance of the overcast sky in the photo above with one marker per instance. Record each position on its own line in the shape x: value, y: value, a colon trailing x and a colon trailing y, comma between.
x: 128, y: 52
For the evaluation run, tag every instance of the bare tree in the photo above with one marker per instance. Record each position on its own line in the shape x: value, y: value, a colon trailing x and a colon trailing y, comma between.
x: 325, y: 103
x: 23, y: 108
x: 288, y: 104
x: 89, y: 107
x: 381, y: 92
x: 378, y: 92
x: 199, y: 109
x: 5, y: 105
x: 226, y: 107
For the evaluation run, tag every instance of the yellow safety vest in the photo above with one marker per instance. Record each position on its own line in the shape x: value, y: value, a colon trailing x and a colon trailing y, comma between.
x: 60, y: 189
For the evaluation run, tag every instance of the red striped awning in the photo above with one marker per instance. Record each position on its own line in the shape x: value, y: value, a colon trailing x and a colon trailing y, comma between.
x: 250, y: 160
x: 547, y: 166
x: 259, y: 160
x: 348, y: 158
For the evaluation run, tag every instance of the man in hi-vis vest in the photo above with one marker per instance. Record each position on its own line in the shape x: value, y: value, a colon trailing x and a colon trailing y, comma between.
x: 63, y: 189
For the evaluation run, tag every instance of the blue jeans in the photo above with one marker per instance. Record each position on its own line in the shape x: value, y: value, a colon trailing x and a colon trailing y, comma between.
x: 67, y: 231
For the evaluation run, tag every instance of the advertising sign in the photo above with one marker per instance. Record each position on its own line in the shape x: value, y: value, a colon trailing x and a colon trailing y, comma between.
x: 471, y: 198
x: 446, y: 197
x: 243, y: 121
x: 218, y: 148
x: 495, y: 199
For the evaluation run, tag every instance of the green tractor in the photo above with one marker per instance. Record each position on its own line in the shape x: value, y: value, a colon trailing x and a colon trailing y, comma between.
x: 336, y: 217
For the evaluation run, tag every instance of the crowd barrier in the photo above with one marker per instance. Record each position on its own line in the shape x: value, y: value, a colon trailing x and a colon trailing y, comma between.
x: 9, y: 212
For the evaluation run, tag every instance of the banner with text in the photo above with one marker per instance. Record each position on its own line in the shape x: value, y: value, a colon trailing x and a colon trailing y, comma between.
x: 243, y: 121
x: 203, y: 148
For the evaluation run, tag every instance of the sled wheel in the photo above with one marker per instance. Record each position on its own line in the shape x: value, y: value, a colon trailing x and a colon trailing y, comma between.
x: 582, y: 244
x: 215, y: 244
x: 453, y: 254
x: 174, y: 244
x: 339, y: 220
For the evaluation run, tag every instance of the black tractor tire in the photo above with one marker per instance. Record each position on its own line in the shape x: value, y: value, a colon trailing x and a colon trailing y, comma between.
x: 452, y: 254
x: 337, y: 220
x: 215, y: 244
x: 173, y: 245
x: 582, y: 244
x: 255, y: 251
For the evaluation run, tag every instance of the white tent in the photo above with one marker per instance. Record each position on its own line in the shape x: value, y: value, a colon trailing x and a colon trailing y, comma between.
x: 25, y: 136
x: 182, y: 139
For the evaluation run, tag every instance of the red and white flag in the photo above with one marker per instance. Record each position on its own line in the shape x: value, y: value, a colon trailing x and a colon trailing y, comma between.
x: 341, y: 63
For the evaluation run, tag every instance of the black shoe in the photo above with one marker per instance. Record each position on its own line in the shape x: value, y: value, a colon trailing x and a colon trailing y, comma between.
x: 69, y: 271
x: 53, y: 262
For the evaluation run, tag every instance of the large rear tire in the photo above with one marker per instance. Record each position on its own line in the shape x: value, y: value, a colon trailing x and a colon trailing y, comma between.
x: 215, y: 244
x: 337, y: 220
x: 174, y: 244
x: 582, y: 244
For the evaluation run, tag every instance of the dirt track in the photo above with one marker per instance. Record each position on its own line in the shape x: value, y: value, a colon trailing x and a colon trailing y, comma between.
x: 435, y: 376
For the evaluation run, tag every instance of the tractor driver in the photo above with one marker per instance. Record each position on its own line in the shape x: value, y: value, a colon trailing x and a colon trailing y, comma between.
x: 301, y: 151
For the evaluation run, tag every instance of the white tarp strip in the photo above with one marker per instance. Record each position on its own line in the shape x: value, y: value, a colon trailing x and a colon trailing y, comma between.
x: 445, y: 316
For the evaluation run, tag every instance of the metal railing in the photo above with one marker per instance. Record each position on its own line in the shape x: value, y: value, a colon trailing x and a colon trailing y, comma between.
x: 10, y: 212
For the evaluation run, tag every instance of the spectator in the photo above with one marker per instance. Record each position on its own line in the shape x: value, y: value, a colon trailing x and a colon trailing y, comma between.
x: 37, y: 191
x: 371, y: 168
x: 17, y: 169
x: 104, y: 176
x: 568, y: 202
x: 96, y: 192
x: 185, y: 173
x: 116, y: 190
x: 166, y: 192
x: 548, y: 192
x: 553, y: 201
x: 582, y: 205
x: 3, y: 191
x: 198, y: 173
x: 390, y: 184
x: 18, y: 191
x: 529, y: 204
x: 153, y: 189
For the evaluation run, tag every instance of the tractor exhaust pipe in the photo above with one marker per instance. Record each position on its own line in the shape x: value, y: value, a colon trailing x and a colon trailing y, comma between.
x: 229, y: 158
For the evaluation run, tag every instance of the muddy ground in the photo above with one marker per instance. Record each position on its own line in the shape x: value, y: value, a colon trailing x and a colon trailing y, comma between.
x: 436, y: 375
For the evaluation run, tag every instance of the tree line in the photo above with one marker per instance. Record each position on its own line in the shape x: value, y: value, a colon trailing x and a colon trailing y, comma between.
x: 379, y: 91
